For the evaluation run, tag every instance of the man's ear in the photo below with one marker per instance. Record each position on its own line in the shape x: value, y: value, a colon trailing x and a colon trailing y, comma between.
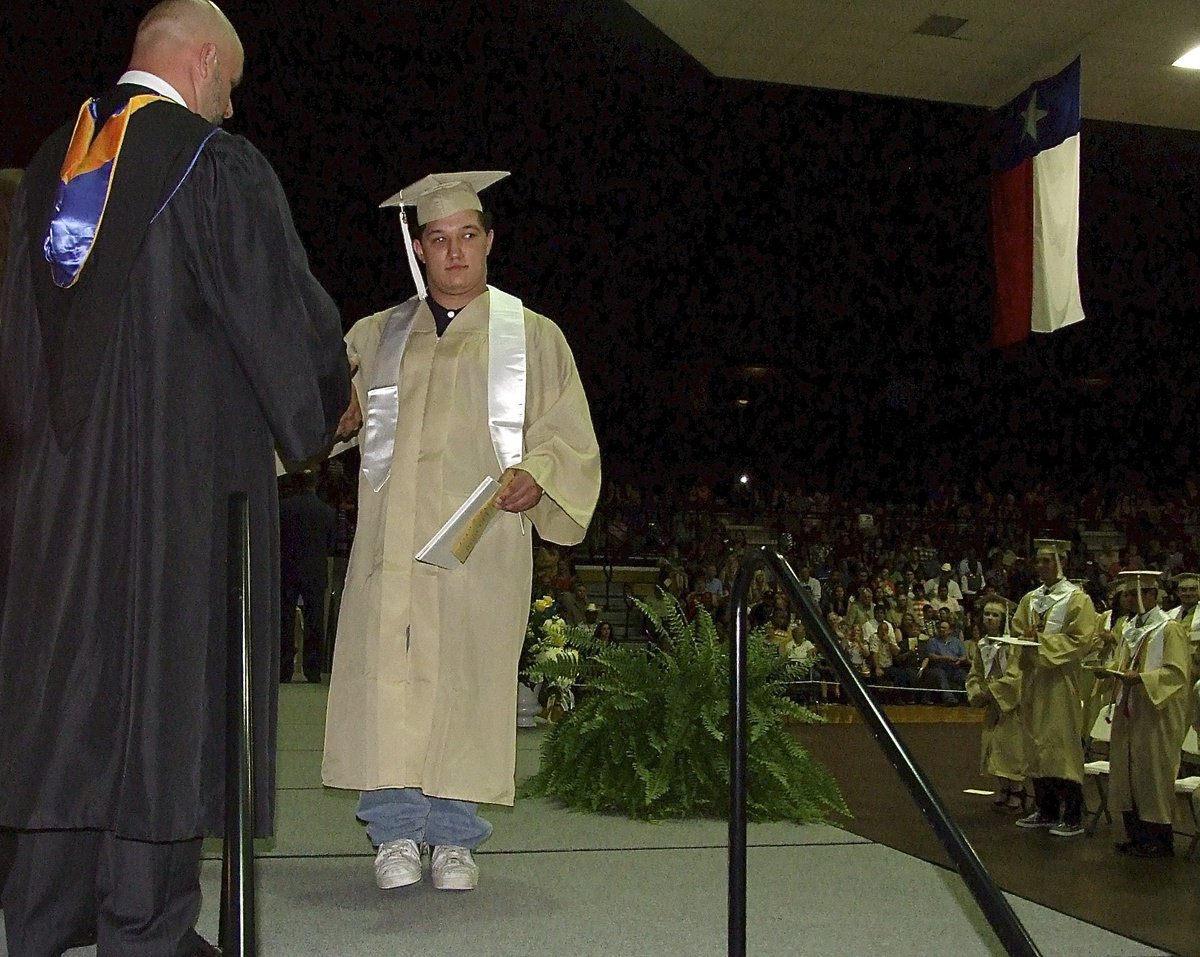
x: 208, y: 59
x: 418, y: 249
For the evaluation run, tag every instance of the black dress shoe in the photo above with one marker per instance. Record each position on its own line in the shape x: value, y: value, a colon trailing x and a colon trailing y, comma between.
x: 312, y: 677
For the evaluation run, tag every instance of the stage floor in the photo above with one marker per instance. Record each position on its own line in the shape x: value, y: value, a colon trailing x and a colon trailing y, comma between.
x: 556, y: 882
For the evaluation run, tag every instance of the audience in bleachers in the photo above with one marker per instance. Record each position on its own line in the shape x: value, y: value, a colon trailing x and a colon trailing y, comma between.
x: 903, y: 587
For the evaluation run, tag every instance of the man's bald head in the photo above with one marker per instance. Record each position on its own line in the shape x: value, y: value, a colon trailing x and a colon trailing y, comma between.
x: 192, y: 45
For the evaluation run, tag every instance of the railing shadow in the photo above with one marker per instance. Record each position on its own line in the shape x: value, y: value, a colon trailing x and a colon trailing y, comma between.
x: 995, y: 907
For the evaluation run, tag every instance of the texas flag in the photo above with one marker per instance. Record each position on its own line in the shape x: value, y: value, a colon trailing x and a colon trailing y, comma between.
x: 1035, y: 209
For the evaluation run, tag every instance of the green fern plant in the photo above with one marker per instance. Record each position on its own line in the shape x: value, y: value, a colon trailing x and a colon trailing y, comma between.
x: 649, y: 734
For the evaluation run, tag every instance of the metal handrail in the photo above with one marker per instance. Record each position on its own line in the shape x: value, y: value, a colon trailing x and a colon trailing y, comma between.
x: 995, y: 907
x: 238, y: 925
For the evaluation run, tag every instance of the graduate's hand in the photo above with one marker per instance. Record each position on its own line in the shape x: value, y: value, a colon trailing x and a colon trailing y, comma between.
x: 351, y: 420
x: 520, y: 494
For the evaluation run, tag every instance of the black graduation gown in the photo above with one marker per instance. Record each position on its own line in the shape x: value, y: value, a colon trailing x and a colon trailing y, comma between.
x: 221, y: 344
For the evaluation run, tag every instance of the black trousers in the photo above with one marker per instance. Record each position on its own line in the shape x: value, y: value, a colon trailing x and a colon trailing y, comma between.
x: 1148, y: 834
x: 1059, y: 799
x: 133, y: 898
x: 309, y: 585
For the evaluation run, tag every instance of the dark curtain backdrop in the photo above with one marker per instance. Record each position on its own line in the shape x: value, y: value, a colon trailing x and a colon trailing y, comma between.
x: 681, y: 228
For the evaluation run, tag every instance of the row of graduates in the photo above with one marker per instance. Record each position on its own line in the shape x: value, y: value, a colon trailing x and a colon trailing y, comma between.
x: 1058, y: 666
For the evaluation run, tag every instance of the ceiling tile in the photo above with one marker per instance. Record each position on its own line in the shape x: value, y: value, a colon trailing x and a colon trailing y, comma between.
x: 868, y: 45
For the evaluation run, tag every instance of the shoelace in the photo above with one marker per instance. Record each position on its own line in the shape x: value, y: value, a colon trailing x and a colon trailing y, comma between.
x: 455, y: 857
x: 404, y: 851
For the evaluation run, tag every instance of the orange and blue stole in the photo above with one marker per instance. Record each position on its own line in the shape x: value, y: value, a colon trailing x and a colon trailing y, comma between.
x: 85, y: 182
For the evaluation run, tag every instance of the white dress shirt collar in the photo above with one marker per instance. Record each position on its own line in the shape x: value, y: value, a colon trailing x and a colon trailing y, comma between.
x: 152, y: 82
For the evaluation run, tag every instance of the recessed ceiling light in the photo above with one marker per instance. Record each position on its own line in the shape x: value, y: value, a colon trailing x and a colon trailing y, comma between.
x: 1190, y: 60
x: 937, y: 25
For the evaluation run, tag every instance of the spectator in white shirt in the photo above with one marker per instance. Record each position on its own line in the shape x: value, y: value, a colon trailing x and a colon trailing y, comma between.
x: 943, y: 599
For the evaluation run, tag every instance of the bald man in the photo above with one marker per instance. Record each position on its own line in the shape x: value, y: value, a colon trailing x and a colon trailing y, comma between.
x: 162, y: 336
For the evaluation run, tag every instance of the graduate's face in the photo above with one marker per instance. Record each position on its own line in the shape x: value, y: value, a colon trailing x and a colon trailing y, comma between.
x: 1188, y: 593
x: 1149, y: 598
x: 1047, y: 568
x: 454, y: 250
x: 993, y: 620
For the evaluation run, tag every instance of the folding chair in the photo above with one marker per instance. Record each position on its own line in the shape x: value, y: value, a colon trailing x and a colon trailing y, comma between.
x: 1098, y: 769
x: 1189, y: 787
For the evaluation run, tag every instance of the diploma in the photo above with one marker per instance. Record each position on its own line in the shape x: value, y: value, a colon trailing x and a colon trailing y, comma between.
x: 453, y: 543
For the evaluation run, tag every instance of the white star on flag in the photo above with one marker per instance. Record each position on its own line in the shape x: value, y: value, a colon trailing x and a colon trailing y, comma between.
x: 1032, y: 116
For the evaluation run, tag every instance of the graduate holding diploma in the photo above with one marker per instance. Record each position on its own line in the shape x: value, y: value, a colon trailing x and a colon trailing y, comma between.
x: 455, y: 385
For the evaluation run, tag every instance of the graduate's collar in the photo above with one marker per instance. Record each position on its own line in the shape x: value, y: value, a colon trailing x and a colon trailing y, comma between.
x: 473, y: 317
x: 1150, y: 617
x: 441, y: 315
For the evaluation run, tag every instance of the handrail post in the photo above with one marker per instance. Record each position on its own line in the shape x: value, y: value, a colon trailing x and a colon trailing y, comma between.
x: 736, y: 927
x: 237, y: 921
x: 995, y: 907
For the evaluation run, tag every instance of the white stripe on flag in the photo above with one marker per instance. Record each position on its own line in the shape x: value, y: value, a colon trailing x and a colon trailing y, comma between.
x: 1056, y: 301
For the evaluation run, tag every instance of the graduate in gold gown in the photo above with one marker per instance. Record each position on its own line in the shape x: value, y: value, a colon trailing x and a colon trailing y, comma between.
x: 1187, y: 587
x: 994, y: 684
x: 459, y: 384
x: 1150, y: 693
x: 1060, y: 618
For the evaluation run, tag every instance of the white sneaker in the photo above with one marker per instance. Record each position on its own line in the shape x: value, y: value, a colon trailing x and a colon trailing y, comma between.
x: 1036, y: 819
x: 454, y: 868
x: 1063, y: 829
x: 397, y: 864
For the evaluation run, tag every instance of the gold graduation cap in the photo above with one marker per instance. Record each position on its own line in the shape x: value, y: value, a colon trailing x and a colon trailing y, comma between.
x: 437, y: 196
x: 1141, y: 577
x: 1118, y: 585
x: 1186, y: 578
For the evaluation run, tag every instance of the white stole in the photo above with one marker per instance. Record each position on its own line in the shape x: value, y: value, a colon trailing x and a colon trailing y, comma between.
x: 1149, y: 634
x: 994, y: 656
x: 1049, y: 605
x: 507, y: 373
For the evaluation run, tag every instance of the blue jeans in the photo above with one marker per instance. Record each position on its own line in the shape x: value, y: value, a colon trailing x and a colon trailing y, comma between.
x: 948, y: 678
x: 396, y: 814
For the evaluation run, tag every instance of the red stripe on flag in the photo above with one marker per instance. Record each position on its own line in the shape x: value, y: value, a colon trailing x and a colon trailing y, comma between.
x: 1012, y: 249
